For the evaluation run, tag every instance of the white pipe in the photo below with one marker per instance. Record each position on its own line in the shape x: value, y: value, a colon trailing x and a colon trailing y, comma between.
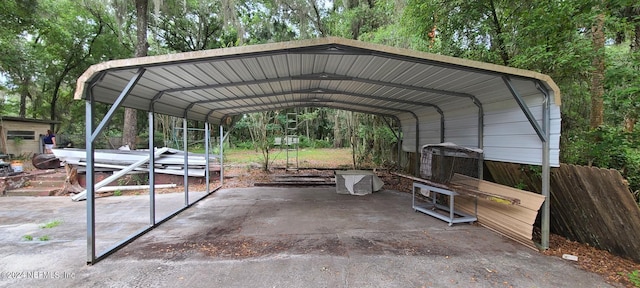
x: 133, y: 187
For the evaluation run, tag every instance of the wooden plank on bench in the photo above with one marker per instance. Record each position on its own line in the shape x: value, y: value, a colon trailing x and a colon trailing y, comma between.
x: 462, y: 188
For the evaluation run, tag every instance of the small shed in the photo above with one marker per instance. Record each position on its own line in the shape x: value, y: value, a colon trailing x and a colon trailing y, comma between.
x: 20, y: 136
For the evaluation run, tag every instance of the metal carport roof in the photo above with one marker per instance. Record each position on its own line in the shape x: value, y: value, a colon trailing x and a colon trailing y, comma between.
x: 512, y: 114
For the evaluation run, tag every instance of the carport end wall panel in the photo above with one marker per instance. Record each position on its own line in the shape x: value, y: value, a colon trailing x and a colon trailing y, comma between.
x: 429, y: 128
x: 525, y: 155
x: 504, y: 117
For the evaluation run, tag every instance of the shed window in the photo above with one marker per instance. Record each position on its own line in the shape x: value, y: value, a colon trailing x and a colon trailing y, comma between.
x: 25, y: 135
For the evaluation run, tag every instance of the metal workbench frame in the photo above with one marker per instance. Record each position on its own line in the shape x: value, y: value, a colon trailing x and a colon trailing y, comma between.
x: 431, y: 208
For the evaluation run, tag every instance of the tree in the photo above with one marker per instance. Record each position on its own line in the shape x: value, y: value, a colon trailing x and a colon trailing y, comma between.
x: 194, y: 26
x: 597, y: 74
x: 130, y: 125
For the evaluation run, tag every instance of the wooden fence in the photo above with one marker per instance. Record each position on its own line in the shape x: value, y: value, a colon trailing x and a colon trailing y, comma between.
x: 589, y: 205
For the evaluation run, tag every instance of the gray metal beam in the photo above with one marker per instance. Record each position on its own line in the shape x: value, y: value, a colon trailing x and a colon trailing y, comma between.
x: 116, y: 104
x: 313, y: 104
x: 323, y: 77
x: 206, y: 118
x: 318, y: 91
x: 155, y: 99
x: 90, y: 179
x: 221, y: 154
x: 546, y: 167
x: 186, y: 162
x: 207, y: 140
x: 480, y: 136
x: 322, y: 103
x: 525, y: 109
x: 152, y: 174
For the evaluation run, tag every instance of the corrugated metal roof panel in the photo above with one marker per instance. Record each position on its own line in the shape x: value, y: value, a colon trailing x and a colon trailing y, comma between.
x: 341, y: 74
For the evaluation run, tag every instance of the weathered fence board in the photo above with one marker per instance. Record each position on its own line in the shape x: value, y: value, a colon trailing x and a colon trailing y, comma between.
x: 588, y: 204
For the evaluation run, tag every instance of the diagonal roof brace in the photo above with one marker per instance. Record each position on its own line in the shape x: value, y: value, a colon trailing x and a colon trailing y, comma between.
x: 525, y: 109
x: 123, y: 95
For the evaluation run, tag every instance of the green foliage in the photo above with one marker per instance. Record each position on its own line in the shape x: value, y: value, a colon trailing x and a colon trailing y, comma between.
x: 27, y: 238
x: 607, y: 147
x: 51, y: 224
x: 356, y: 19
x: 622, y: 84
x: 44, y: 238
x: 117, y: 193
x: 192, y: 26
x: 244, y: 145
x: 520, y: 185
x: 634, y: 278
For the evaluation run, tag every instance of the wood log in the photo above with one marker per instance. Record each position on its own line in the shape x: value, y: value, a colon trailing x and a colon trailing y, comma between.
x: 45, y: 161
x: 71, y: 184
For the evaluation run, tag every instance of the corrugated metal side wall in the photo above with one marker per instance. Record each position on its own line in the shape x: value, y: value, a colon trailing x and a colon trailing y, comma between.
x: 508, y: 135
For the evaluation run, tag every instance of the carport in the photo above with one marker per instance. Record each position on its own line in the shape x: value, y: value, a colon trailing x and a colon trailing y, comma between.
x: 512, y: 114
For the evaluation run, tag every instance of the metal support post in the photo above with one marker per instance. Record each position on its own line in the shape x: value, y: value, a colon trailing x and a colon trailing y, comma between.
x: 90, y: 180
x: 221, y: 154
x: 152, y: 177
x: 546, y: 168
x: 207, y: 143
x: 186, y: 162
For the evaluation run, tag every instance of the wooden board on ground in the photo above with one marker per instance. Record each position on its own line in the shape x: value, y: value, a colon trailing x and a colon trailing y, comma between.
x: 513, y: 221
x: 527, y: 199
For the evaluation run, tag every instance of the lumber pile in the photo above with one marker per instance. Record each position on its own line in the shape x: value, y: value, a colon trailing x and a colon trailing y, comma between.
x: 513, y: 221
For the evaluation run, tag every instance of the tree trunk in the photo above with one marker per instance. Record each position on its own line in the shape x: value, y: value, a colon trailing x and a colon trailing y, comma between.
x: 630, y: 118
x: 597, y: 76
x: 129, y: 131
x: 307, y: 123
x: 636, y: 38
x: 24, y: 94
x: 337, y: 137
x: 502, y: 48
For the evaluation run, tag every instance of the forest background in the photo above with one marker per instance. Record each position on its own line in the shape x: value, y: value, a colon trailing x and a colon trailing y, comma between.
x: 590, y: 48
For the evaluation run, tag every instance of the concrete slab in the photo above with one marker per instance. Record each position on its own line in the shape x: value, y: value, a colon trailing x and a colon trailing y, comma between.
x: 268, y: 237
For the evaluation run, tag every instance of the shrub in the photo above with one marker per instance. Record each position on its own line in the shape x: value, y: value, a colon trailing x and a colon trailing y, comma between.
x: 318, y: 143
x: 606, y: 147
x: 244, y: 145
x: 634, y: 278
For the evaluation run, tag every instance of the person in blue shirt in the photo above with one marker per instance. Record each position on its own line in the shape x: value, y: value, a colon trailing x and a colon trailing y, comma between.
x: 49, y: 142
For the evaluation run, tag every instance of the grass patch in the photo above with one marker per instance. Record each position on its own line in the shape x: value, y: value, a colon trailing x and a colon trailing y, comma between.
x: 27, y: 238
x: 307, y: 157
x: 51, y: 224
x: 634, y: 277
x: 117, y: 193
x: 44, y: 238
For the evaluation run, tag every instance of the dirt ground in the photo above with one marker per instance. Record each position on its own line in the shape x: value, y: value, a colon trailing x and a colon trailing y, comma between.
x: 614, y: 269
